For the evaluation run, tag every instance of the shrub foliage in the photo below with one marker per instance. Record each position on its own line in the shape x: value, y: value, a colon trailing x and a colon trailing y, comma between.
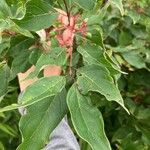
x: 103, y: 49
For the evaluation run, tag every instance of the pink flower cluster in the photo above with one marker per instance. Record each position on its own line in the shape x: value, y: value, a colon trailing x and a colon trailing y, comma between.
x: 67, y: 30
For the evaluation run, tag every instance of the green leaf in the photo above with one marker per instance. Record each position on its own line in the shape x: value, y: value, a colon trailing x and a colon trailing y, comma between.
x: 39, y: 90
x: 5, y: 24
x: 22, y: 31
x: 145, y: 20
x: 10, y: 25
x: 86, y: 4
x: 10, y: 107
x: 135, y: 59
x: 96, y: 37
x: 12, y: 9
x: 2, y: 115
x: 19, y: 44
x: 44, y: 87
x: 4, y: 9
x: 50, y: 58
x: 2, y: 146
x: 87, y: 120
x: 18, y: 9
x: 4, y: 78
x: 7, y: 129
x: 35, y: 55
x: 145, y: 134
x: 20, y: 63
x: 98, y: 17
x: 119, y: 5
x: 125, y: 38
x: 97, y: 78
x: 93, y: 54
x: 121, y: 133
x: 37, y: 127
x: 133, y: 15
x: 20, y: 52
x: 4, y: 44
x: 39, y: 15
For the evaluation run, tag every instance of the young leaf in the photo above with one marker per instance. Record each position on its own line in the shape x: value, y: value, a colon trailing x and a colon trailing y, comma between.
x: 97, y: 78
x: 37, y: 127
x: 87, y: 120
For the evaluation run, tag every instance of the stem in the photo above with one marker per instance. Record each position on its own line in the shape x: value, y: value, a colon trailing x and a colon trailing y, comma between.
x: 59, y: 5
x: 67, y: 10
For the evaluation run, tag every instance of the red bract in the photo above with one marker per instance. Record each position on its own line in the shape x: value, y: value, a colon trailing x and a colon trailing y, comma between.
x: 67, y: 30
x: 65, y: 38
x: 64, y: 20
